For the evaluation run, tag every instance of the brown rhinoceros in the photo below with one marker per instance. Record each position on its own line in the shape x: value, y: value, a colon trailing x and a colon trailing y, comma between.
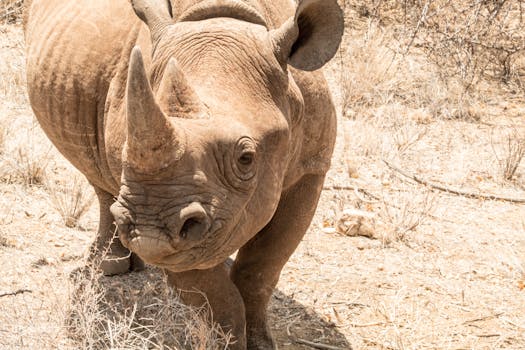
x: 207, y: 120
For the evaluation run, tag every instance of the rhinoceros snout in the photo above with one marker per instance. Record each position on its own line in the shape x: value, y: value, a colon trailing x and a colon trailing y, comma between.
x: 189, y: 226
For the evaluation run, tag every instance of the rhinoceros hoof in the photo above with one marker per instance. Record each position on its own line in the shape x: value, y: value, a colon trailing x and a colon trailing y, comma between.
x: 115, y: 265
x: 260, y: 341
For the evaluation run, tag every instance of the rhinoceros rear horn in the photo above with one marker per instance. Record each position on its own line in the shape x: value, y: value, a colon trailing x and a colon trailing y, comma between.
x: 311, y: 38
x: 176, y: 96
x: 155, y: 13
x: 152, y: 141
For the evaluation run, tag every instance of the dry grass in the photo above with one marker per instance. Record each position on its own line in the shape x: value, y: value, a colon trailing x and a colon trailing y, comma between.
x: 12, y: 72
x: 131, y: 313
x: 89, y: 311
x: 3, y: 136
x: 72, y: 200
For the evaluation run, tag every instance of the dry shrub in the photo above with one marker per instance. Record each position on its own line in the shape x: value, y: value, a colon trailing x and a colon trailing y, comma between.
x: 72, y: 200
x: 407, y: 135
x: 469, y: 40
x: 512, y: 155
x: 371, y: 73
x: 375, y: 73
x: 11, y: 11
x: 136, y: 312
x: 403, y: 209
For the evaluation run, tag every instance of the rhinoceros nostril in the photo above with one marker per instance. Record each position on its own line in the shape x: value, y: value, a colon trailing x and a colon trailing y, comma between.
x: 193, y: 229
x: 195, y: 222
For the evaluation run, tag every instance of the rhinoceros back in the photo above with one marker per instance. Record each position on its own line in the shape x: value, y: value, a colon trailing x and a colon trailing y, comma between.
x: 73, y: 49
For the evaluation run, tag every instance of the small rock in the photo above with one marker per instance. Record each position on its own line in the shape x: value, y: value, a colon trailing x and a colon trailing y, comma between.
x: 353, y: 222
x: 329, y: 230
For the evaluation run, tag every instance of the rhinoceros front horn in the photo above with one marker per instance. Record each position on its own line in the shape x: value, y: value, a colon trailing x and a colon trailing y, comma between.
x: 152, y: 141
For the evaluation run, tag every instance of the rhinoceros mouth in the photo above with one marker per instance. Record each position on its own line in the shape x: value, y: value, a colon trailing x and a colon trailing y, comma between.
x: 164, y: 252
x: 203, y: 256
x: 149, y: 248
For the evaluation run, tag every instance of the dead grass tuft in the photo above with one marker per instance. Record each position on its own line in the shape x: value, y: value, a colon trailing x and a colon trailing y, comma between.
x: 26, y: 167
x: 27, y: 155
x: 514, y: 150
x: 72, y: 200
x: 131, y: 312
x: 404, y: 209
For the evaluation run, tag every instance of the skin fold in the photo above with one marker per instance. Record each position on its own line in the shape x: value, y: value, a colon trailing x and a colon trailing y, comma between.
x: 205, y: 127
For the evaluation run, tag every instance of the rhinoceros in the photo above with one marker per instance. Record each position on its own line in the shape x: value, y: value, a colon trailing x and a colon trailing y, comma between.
x: 206, y: 128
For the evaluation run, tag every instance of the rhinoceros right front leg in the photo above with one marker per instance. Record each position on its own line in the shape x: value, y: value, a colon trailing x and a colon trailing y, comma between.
x: 107, y: 250
x: 214, y: 286
x: 259, y: 263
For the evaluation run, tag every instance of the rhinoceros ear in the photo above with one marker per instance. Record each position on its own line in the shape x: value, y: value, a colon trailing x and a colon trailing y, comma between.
x: 155, y: 13
x: 152, y: 141
x: 176, y: 96
x: 311, y: 38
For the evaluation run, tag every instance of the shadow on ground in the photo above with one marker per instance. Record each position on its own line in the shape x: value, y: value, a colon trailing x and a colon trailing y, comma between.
x: 137, y: 310
x: 294, y: 325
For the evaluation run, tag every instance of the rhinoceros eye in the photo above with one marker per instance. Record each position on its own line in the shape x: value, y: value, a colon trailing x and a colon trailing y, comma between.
x: 245, y: 158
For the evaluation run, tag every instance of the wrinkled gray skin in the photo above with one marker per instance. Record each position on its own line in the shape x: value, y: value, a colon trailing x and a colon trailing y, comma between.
x: 207, y: 122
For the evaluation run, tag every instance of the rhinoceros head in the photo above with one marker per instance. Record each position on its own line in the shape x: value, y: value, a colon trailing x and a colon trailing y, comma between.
x: 210, y: 129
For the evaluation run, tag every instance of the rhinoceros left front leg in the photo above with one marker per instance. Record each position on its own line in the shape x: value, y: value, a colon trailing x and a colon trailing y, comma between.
x: 215, y: 287
x: 259, y: 263
x: 107, y: 250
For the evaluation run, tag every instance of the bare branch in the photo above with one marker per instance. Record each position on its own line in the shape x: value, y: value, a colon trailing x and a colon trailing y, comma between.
x: 484, y: 196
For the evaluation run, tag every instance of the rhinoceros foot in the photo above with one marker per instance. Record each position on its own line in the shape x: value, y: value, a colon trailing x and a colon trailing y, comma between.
x: 260, y: 340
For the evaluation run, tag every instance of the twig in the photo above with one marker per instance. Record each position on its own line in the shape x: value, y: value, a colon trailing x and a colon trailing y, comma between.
x: 317, y: 345
x: 513, y: 324
x: 290, y: 324
x: 376, y: 198
x: 16, y: 292
x: 363, y: 325
x: 488, y: 335
x: 483, y: 318
x: 452, y: 190
x: 353, y: 188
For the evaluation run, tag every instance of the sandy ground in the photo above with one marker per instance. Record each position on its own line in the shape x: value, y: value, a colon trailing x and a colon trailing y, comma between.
x: 440, y: 271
